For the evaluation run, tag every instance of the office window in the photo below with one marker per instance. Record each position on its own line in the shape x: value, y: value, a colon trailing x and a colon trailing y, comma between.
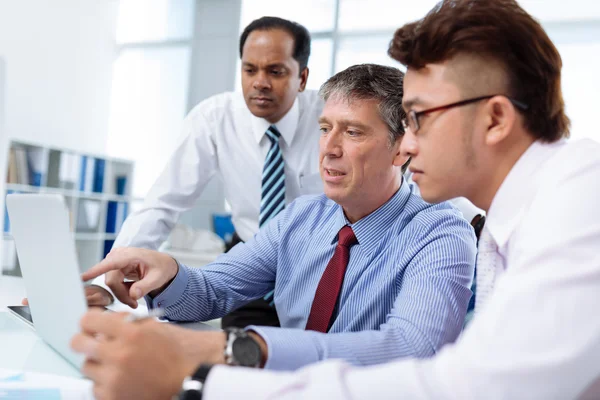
x: 580, y: 83
x: 151, y: 77
x: 360, y: 32
x: 380, y: 15
x: 154, y: 20
x: 315, y: 15
x: 319, y: 64
x: 360, y: 50
x: 555, y: 10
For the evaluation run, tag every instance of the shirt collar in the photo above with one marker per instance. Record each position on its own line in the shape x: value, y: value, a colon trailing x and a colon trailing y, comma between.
x: 287, y: 125
x: 368, y: 229
x: 509, y: 203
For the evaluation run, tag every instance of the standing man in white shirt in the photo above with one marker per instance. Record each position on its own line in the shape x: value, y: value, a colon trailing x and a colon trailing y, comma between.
x: 262, y: 143
x: 486, y: 120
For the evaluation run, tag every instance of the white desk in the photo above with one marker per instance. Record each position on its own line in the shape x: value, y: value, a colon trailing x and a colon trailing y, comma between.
x: 20, y: 347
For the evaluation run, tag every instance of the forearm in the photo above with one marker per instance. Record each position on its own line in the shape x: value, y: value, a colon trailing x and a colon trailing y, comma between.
x: 201, y: 294
x: 290, y: 349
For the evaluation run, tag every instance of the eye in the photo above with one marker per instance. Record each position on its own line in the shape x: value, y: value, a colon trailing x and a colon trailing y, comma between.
x: 323, y: 130
x: 276, y: 72
x: 352, y: 133
x: 248, y: 70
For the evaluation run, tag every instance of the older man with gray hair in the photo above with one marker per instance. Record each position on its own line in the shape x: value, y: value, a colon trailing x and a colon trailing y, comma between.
x: 367, y: 272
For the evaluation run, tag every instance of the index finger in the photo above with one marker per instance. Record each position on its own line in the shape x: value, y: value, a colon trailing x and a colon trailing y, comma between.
x: 104, y: 266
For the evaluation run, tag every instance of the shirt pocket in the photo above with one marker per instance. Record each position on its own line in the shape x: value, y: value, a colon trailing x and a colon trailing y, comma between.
x: 310, y: 183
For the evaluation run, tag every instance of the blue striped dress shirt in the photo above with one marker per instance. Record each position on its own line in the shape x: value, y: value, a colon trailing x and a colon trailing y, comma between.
x: 405, y: 292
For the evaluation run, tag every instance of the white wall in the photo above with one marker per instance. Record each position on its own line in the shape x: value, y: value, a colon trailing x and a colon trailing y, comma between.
x: 59, y: 57
x: 3, y: 143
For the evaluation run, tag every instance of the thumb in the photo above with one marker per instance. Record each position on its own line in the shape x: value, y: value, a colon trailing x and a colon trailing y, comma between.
x: 144, y: 286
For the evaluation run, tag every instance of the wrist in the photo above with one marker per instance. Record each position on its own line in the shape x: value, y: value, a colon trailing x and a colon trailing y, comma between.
x: 171, y: 275
x: 264, y: 350
x: 242, y: 349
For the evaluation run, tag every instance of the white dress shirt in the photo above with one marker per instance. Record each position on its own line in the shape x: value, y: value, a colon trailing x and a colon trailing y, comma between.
x: 222, y: 138
x: 538, y: 336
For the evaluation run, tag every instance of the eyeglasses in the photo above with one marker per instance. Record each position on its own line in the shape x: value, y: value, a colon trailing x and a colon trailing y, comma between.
x: 412, y: 120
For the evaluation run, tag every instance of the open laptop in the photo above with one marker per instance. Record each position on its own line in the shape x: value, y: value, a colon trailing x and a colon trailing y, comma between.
x: 46, y: 251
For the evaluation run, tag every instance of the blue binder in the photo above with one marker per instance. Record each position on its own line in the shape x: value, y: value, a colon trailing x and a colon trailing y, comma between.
x: 98, y: 175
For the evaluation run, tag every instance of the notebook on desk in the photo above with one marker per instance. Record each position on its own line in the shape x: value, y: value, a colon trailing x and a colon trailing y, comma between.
x: 48, y: 260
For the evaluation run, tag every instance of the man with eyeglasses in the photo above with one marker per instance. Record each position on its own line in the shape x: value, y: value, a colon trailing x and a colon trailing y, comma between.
x: 367, y: 272
x: 486, y: 120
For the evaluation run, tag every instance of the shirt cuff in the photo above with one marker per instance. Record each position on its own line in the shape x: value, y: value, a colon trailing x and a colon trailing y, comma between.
x: 173, y: 292
x: 289, y: 349
x: 225, y: 382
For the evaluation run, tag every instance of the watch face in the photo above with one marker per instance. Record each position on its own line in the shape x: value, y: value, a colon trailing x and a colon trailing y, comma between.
x: 246, y: 352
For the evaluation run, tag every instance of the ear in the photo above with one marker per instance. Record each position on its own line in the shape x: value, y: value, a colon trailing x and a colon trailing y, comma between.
x: 303, y: 79
x: 501, y: 118
x: 399, y: 158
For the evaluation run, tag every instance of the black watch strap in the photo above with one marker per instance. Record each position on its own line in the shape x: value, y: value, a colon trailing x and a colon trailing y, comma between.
x: 202, y: 372
x: 193, y: 386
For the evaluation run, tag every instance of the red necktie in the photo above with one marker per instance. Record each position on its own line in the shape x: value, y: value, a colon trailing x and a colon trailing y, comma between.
x: 331, y: 283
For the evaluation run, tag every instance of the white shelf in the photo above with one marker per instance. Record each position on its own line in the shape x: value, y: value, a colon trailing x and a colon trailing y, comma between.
x: 63, y: 171
x: 27, y: 143
x: 81, y: 236
x: 17, y: 187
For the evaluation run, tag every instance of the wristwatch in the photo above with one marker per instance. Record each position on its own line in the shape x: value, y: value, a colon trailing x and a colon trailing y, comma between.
x: 241, y: 349
x: 193, y: 385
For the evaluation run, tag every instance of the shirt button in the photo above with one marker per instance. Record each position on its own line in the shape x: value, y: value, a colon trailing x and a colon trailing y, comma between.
x: 160, y: 304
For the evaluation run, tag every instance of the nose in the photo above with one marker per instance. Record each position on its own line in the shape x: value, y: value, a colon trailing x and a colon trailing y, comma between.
x: 261, y: 81
x: 408, y: 147
x: 331, y: 144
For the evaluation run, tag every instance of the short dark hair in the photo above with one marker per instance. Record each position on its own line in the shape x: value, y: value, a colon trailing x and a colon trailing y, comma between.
x: 298, y: 32
x: 502, y: 31
x: 372, y: 82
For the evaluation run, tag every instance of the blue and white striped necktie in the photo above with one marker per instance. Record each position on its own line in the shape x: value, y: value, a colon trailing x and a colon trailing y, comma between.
x: 273, y: 180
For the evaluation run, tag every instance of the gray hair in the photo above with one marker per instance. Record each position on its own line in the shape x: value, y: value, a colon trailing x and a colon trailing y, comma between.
x: 372, y: 82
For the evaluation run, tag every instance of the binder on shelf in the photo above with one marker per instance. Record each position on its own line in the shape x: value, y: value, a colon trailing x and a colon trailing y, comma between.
x: 111, y: 217
x: 116, y: 213
x: 6, y: 220
x: 67, y: 172
x: 86, y: 179
x: 11, y: 175
x: 37, y: 161
x: 121, y: 184
x: 108, y: 244
x: 121, y: 215
x: 22, y: 168
x: 88, y: 216
x: 98, y: 174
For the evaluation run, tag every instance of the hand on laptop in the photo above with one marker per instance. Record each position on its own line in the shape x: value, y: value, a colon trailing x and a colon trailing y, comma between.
x: 150, y: 271
x: 143, y: 359
x: 96, y: 296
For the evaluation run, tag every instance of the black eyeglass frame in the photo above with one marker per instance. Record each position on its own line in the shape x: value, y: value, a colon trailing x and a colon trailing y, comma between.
x: 413, y: 116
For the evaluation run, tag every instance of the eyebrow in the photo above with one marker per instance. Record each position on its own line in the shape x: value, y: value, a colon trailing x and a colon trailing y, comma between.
x: 407, y: 105
x: 276, y: 65
x: 323, y: 120
x: 346, y: 122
